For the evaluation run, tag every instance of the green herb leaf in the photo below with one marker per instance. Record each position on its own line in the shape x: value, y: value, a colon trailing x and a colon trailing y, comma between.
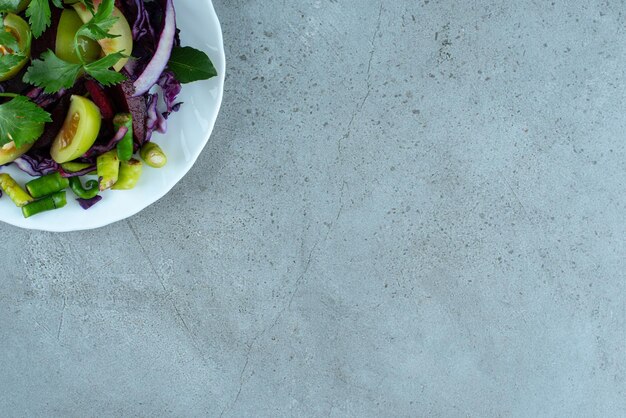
x: 189, y: 64
x: 52, y: 73
x: 7, y: 39
x: 9, y: 5
x: 7, y: 62
x: 38, y: 13
x: 21, y: 121
x: 101, y: 22
x: 100, y: 70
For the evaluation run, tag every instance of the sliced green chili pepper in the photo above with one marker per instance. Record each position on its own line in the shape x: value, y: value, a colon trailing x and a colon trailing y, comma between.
x: 130, y: 172
x: 54, y: 201
x: 14, y: 191
x: 125, y: 146
x: 153, y: 155
x: 46, y: 185
x: 108, y: 169
x: 73, y: 167
x: 78, y: 189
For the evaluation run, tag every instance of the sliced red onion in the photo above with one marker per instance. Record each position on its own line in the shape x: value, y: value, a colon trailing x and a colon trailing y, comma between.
x: 36, y: 167
x: 152, y: 115
x: 171, y: 89
x: 87, y: 203
x: 68, y: 174
x: 34, y: 93
x: 157, y: 64
x: 100, y: 149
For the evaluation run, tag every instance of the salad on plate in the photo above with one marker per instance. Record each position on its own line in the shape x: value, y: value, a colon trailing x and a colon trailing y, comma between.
x: 84, y: 86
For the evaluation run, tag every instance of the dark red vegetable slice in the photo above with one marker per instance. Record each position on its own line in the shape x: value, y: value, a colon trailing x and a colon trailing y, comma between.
x: 122, y: 95
x: 100, y: 98
x: 88, y: 203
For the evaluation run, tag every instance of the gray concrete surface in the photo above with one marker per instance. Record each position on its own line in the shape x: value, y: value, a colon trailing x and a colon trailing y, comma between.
x: 408, y: 208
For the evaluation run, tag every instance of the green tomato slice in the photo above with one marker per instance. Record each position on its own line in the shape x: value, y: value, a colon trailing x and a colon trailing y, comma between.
x: 9, y: 152
x: 20, y: 30
x: 79, y: 131
x: 123, y: 42
x: 69, y: 24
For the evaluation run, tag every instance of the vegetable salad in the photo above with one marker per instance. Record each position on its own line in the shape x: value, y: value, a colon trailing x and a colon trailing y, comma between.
x: 84, y: 85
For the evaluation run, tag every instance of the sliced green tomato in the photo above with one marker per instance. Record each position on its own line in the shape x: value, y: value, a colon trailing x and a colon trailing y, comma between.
x: 79, y: 131
x: 64, y: 46
x: 9, y: 153
x: 21, y: 32
x: 124, y: 40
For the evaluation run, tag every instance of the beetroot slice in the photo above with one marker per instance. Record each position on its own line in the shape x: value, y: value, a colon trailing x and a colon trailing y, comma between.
x: 122, y: 95
x: 100, y: 98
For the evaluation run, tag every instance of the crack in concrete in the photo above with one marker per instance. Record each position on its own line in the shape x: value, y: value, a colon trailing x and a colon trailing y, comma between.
x: 241, y: 380
x: 291, y: 298
x: 368, y: 83
x: 168, y: 293
x: 62, y: 317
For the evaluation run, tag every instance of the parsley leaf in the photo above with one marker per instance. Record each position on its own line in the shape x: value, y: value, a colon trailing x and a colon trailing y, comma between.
x: 7, y: 62
x: 38, y: 13
x: 7, y: 40
x: 9, y: 5
x: 13, y: 54
x: 101, y: 22
x: 21, y: 121
x: 188, y: 65
x: 52, y: 73
x: 101, y: 72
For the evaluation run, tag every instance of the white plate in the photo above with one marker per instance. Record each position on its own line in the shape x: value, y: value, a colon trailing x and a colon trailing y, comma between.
x: 188, y: 132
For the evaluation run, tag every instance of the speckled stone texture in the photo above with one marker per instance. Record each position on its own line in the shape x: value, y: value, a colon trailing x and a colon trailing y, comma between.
x: 407, y: 208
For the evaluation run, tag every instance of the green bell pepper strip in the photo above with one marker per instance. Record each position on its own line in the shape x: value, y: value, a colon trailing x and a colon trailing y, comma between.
x: 108, y: 169
x: 125, y: 146
x: 130, y: 172
x: 46, y: 185
x: 153, y: 155
x: 14, y: 191
x: 78, y: 189
x: 54, y: 201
